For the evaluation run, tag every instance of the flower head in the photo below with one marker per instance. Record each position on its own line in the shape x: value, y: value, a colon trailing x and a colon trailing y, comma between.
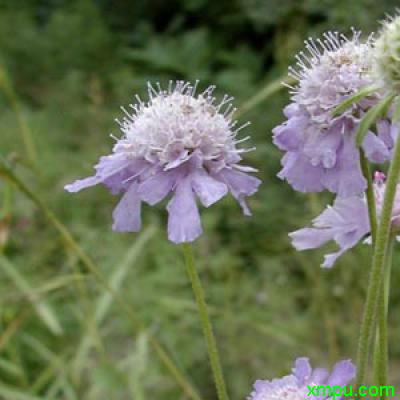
x: 346, y: 222
x: 296, y: 386
x: 180, y: 143
x: 386, y: 54
x: 320, y: 148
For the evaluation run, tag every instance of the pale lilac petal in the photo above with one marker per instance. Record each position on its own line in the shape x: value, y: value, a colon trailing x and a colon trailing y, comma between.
x: 240, y: 184
x: 346, y: 222
x: 319, y: 375
x: 184, y: 220
x: 127, y: 213
x: 290, y: 135
x: 321, y: 147
x: 310, y: 238
x: 375, y: 149
x: 301, y: 175
x: 394, y: 131
x: 291, y: 110
x: 208, y: 189
x: 343, y: 372
x: 384, y: 131
x: 120, y: 181
x: 346, y: 240
x: 105, y: 169
x: 82, y: 184
x: 346, y: 178
x: 156, y: 187
x: 302, y: 369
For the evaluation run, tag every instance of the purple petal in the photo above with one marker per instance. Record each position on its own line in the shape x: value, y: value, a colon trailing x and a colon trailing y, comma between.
x: 345, y: 178
x: 375, y: 149
x: 240, y: 185
x: 346, y: 222
x: 184, y: 220
x: 346, y: 241
x: 105, y: 169
x: 156, y: 187
x: 207, y: 188
x: 302, y: 369
x: 343, y: 372
x: 301, y: 175
x: 319, y: 375
x: 291, y: 110
x: 290, y: 135
x: 82, y: 184
x: 384, y: 129
x: 127, y: 213
x: 121, y: 180
x: 310, y: 238
x: 321, y: 146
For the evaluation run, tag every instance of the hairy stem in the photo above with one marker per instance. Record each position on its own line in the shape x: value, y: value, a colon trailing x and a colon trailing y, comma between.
x: 205, y: 322
x: 378, y: 264
x: 381, y: 358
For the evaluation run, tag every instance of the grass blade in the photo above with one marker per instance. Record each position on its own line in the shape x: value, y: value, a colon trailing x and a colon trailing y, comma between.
x: 26, y: 133
x: 9, y: 392
x: 43, y: 310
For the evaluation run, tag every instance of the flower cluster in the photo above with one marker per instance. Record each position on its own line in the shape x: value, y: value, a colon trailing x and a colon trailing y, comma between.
x: 177, y: 142
x: 346, y: 222
x: 296, y: 386
x: 320, y: 149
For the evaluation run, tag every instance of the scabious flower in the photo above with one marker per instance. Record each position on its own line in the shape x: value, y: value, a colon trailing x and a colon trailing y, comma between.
x: 320, y: 148
x: 386, y: 55
x: 180, y: 143
x: 295, y: 385
x: 346, y: 222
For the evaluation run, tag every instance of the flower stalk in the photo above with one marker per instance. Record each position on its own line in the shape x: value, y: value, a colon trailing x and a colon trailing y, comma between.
x: 378, y: 264
x: 381, y: 350
x: 205, y: 322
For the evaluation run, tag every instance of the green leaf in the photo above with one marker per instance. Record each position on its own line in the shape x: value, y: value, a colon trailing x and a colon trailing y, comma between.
x: 342, y: 107
x: 371, y: 116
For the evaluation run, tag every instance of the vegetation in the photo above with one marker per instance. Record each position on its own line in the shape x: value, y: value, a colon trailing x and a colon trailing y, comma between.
x: 83, y: 309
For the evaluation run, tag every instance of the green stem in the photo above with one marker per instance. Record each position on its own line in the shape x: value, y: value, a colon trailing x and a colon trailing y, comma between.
x: 370, y: 195
x: 381, y: 350
x: 205, y: 322
x: 378, y: 263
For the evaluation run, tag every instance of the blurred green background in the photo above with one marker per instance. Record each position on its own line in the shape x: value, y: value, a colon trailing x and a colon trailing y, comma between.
x: 65, y: 68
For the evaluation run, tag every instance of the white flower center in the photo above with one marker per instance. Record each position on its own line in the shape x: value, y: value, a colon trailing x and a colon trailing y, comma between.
x: 176, y: 123
x: 333, y: 69
x: 285, y: 389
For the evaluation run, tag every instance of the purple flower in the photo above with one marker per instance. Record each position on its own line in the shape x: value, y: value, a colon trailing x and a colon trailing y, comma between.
x: 297, y: 385
x: 346, y: 222
x: 180, y: 143
x: 320, y: 152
